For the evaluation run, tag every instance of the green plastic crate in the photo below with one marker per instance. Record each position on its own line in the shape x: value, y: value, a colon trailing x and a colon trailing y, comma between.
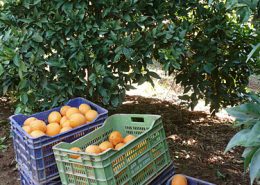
x: 136, y: 163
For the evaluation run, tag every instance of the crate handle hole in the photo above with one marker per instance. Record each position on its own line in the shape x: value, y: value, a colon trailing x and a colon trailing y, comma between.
x: 137, y: 119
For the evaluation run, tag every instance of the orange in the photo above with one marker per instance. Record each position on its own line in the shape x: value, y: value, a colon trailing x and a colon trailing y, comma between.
x: 38, y: 125
x: 129, y: 138
x: 179, y: 179
x: 105, y: 146
x: 29, y: 120
x: 54, y: 117
x: 93, y: 149
x: 115, y: 137
x: 84, y: 108
x: 119, y: 145
x: 76, y: 120
x: 37, y: 133
x: 65, y: 129
x: 91, y: 115
x: 66, y: 124
x: 53, y: 129
x: 27, y: 129
x: 64, y: 109
x: 75, y: 149
x: 63, y: 119
x: 71, y: 111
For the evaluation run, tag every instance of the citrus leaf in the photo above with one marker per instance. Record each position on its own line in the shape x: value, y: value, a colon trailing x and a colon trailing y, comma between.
x: 37, y: 37
x: 239, y: 139
x: 255, y: 166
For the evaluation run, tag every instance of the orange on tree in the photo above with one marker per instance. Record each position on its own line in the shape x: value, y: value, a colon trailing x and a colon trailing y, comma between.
x: 115, y: 137
x: 91, y: 115
x: 71, y: 111
x: 54, y: 117
x: 84, y: 108
x: 76, y: 120
x: 27, y: 129
x: 53, y: 129
x: 179, y: 179
x: 29, y: 120
x: 119, y: 145
x: 64, y: 109
x: 75, y: 149
x: 105, y: 146
x: 93, y: 149
x: 37, y: 133
x: 38, y: 125
x: 129, y: 138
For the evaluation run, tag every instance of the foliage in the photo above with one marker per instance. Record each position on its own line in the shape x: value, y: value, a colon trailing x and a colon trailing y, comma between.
x: 216, y: 68
x: 53, y: 50
x: 244, y: 8
x: 248, y: 116
x: 3, y: 145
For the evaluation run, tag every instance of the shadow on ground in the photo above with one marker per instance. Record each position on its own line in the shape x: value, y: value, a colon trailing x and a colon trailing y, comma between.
x: 196, y: 142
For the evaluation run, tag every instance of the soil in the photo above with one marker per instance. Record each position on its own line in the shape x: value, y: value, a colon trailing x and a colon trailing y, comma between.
x: 195, y: 139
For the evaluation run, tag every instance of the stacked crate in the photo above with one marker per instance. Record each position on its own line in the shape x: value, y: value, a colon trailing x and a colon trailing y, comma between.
x: 35, y: 156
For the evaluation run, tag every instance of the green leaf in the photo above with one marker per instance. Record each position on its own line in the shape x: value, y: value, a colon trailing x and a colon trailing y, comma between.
x: 209, y: 68
x: 245, y: 112
x: 18, y: 109
x: 154, y: 75
x: 255, y: 48
x: 231, y: 3
x: 255, y: 166
x: 37, y: 37
x: 115, y: 101
x: 239, y: 139
x: 1, y: 69
x: 248, y: 156
x: 244, y: 13
x: 254, y: 135
x: 16, y: 60
x: 127, y: 18
x: 127, y: 52
x: 24, y: 98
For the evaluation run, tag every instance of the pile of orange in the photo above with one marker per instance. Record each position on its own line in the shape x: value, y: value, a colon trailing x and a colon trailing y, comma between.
x: 59, y: 122
x: 115, y: 141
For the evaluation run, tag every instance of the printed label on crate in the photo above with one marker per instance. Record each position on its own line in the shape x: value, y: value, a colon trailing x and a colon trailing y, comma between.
x: 137, y: 165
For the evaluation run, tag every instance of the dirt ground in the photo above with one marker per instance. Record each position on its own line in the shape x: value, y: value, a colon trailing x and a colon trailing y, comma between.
x: 196, y: 142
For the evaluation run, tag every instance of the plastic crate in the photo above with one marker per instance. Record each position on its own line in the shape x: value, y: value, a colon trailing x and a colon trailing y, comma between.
x: 136, y: 163
x: 36, y: 154
x: 26, y: 179
x: 192, y: 181
x: 164, y: 176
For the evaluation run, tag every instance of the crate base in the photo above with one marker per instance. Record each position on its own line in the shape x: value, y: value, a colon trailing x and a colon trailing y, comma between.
x: 25, y: 179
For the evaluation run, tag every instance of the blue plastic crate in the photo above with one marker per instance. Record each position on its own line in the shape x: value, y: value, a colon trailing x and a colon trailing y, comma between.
x: 36, y: 153
x: 164, y: 176
x: 26, y: 179
x: 192, y: 181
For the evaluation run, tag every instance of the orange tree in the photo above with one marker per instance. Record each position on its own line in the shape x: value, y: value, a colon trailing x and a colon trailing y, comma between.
x: 53, y: 50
